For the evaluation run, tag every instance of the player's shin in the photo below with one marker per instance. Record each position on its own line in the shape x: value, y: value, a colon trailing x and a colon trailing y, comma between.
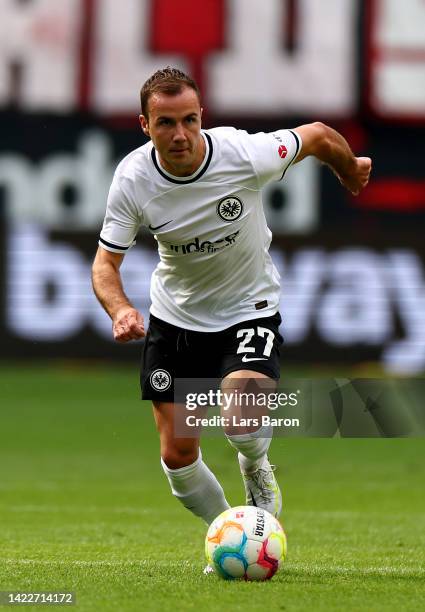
x: 252, y: 447
x: 196, y: 487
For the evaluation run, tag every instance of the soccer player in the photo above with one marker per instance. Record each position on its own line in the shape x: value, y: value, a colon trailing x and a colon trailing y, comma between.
x: 215, y: 291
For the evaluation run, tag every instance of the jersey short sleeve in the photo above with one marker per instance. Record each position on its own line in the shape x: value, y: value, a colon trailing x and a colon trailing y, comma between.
x: 122, y: 220
x: 272, y: 153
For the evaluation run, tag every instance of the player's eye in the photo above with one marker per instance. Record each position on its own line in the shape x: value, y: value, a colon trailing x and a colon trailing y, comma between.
x: 164, y: 122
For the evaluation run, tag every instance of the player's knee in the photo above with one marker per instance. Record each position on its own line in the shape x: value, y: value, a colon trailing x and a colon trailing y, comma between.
x: 176, y: 457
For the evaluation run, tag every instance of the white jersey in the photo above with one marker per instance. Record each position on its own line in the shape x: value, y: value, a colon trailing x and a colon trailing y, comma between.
x: 215, y: 269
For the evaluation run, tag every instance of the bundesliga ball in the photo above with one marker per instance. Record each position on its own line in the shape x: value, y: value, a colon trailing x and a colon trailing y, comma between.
x: 245, y: 543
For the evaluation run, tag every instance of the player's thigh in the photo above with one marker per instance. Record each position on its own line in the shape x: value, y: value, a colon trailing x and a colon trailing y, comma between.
x: 244, y: 374
x: 246, y: 390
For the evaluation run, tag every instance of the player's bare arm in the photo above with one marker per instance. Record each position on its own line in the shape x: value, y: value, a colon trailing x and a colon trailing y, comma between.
x: 127, y: 322
x: 328, y: 146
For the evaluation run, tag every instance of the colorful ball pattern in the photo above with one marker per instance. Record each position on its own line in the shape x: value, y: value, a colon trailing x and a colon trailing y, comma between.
x: 245, y: 543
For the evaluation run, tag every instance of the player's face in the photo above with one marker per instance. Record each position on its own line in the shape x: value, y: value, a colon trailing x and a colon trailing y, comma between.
x: 174, y: 125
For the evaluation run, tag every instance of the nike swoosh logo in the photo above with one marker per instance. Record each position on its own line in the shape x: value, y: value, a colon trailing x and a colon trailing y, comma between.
x: 245, y: 359
x: 253, y: 499
x: 151, y: 227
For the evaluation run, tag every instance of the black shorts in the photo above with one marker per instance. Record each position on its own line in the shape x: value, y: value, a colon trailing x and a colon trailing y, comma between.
x: 172, y: 352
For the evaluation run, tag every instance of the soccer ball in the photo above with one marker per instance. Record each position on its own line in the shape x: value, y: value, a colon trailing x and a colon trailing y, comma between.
x: 245, y: 542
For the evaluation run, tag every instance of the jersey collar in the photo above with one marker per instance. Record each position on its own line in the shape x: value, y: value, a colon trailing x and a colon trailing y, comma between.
x: 179, y: 180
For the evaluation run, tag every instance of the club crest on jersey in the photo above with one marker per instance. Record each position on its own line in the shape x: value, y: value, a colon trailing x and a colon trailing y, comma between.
x: 160, y: 380
x: 229, y: 209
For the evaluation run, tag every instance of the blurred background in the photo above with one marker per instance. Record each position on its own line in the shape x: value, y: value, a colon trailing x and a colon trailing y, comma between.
x: 84, y: 504
x: 353, y: 285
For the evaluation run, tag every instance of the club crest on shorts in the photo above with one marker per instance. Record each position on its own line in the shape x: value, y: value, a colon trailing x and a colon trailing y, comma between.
x: 160, y: 380
x: 230, y: 208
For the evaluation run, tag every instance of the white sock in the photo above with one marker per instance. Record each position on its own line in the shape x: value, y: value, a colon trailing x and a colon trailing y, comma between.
x: 252, y: 447
x: 198, y: 489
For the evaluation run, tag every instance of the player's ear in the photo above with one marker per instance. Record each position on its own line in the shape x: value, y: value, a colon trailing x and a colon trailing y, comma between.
x: 144, y: 124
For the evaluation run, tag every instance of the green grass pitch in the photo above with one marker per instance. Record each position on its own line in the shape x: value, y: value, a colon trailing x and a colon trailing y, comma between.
x: 84, y: 506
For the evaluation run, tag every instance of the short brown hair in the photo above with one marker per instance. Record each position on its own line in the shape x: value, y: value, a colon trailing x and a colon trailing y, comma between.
x: 170, y: 81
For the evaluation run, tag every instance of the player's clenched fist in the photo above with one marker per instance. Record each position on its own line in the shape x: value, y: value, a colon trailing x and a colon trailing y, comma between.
x: 128, y: 325
x: 358, y: 178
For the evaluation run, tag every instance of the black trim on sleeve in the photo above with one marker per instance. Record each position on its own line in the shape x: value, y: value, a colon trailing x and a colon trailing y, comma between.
x: 297, y: 141
x: 113, y: 246
x: 191, y: 180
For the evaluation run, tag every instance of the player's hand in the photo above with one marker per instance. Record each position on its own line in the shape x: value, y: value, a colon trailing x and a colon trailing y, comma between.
x: 359, y: 177
x: 128, y: 325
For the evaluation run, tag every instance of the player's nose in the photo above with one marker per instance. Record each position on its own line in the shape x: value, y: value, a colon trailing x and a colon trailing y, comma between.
x: 179, y: 133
